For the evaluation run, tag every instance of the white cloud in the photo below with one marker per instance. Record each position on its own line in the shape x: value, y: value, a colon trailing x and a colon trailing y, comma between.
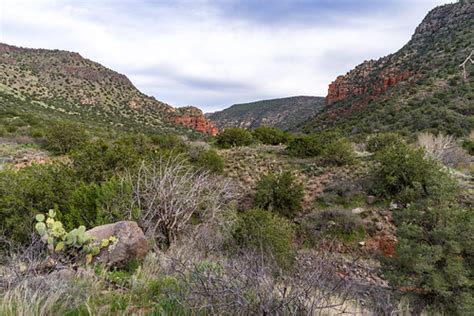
x: 193, y: 54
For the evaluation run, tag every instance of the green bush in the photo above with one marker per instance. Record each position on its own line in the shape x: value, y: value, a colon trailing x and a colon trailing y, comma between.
x: 338, y: 152
x: 262, y: 231
x: 25, y: 192
x: 339, y: 224
x: 434, y: 256
x: 468, y: 145
x: 405, y: 173
x: 209, y: 160
x: 234, y: 137
x: 329, y: 147
x: 270, y: 135
x: 279, y: 193
x: 381, y: 141
x: 62, y: 137
x: 304, y: 147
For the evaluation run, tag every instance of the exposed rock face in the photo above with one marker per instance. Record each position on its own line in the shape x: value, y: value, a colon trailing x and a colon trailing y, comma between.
x: 194, y: 118
x: 131, y: 243
x: 365, y: 80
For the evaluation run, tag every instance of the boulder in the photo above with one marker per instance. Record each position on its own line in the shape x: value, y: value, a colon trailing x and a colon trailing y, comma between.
x: 358, y: 210
x: 131, y: 243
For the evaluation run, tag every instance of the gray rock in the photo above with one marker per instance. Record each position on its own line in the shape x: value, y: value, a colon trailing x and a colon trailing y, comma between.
x: 131, y: 243
x: 358, y: 210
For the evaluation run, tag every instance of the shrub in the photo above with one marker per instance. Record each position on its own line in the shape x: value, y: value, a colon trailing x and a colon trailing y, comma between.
x: 434, y: 256
x: 268, y: 234
x: 24, y: 192
x: 443, y: 148
x: 279, y: 193
x: 406, y: 173
x: 209, y: 160
x: 340, y: 224
x: 304, y: 147
x: 338, y: 152
x: 468, y: 145
x: 270, y: 135
x: 62, y: 137
x: 381, y: 141
x: 234, y: 137
x: 169, y: 193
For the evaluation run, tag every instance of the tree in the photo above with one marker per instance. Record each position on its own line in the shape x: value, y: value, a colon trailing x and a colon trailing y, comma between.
x: 279, y: 193
x: 234, y: 137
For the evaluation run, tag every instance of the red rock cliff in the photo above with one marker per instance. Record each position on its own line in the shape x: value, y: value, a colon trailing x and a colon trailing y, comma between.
x: 366, y: 80
x: 194, y: 118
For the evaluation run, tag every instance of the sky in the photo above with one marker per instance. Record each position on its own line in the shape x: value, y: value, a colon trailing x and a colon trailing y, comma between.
x: 212, y: 54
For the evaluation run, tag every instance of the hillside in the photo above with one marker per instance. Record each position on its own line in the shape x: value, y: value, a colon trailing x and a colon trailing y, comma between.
x: 284, y: 113
x: 61, y: 83
x: 420, y: 87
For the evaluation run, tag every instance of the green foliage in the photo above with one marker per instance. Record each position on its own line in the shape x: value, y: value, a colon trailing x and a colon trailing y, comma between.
x: 304, y: 146
x: 468, y: 145
x: 62, y: 137
x: 97, y: 204
x: 338, y: 152
x: 234, y: 137
x: 279, y: 193
x: 434, y: 259
x: 339, y: 224
x: 263, y: 231
x: 270, y: 135
x: 209, y: 160
x: 382, y: 141
x: 71, y: 243
x: 406, y: 173
x: 329, y: 147
x: 24, y: 192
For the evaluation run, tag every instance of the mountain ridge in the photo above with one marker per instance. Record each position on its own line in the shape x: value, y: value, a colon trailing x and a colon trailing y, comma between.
x: 71, y: 83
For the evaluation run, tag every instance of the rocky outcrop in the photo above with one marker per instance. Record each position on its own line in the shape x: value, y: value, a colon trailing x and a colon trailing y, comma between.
x: 131, y: 243
x: 193, y: 117
x: 365, y: 80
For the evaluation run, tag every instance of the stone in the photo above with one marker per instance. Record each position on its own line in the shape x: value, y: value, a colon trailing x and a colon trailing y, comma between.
x: 370, y: 199
x: 358, y: 210
x: 131, y: 243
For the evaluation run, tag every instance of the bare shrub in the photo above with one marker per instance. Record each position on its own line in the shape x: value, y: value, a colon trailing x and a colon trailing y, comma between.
x: 169, y: 193
x: 244, y: 286
x: 443, y: 148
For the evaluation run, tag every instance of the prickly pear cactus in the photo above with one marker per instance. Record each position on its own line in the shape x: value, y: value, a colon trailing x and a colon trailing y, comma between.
x: 72, y: 243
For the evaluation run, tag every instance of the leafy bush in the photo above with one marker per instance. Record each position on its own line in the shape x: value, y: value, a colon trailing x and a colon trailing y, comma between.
x: 279, y: 193
x: 329, y: 147
x: 270, y: 135
x: 338, y: 152
x: 24, y: 192
x: 468, y: 145
x: 62, y: 137
x: 332, y: 224
x: 209, y: 160
x: 381, y: 141
x: 266, y: 233
x: 304, y: 146
x: 434, y: 256
x: 405, y: 173
x: 234, y: 137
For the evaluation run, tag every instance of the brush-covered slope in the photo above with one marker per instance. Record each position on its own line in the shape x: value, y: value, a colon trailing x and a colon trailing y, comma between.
x: 62, y: 83
x: 420, y: 87
x: 283, y: 113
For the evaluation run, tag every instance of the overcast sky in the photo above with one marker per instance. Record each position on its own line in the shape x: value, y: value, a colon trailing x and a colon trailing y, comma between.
x: 212, y: 54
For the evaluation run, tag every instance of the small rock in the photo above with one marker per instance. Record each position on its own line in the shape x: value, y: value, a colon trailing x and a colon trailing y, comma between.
x: 362, y: 243
x: 379, y: 226
x: 131, y: 243
x: 370, y: 199
x: 358, y: 210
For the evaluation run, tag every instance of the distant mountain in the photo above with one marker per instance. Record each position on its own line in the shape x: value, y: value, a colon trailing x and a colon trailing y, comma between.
x: 420, y: 87
x: 61, y: 83
x: 283, y: 113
